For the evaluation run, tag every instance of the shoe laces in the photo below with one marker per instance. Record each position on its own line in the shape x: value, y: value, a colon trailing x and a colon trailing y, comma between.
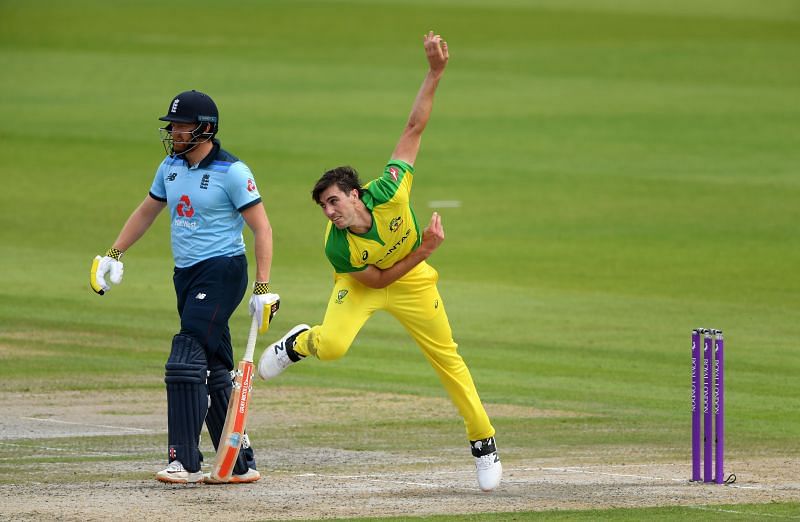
x: 485, y: 462
x: 175, y: 467
x: 281, y: 357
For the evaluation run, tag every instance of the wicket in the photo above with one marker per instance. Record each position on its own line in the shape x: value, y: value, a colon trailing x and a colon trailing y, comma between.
x: 713, y: 402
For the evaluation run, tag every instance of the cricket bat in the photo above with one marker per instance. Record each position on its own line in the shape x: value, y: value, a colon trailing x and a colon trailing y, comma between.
x: 230, y: 441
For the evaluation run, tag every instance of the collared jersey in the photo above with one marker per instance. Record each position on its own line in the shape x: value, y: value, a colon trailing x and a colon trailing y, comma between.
x: 394, y: 233
x: 205, y: 204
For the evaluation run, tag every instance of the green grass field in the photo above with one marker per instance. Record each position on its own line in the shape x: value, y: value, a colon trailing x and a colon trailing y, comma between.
x: 625, y: 170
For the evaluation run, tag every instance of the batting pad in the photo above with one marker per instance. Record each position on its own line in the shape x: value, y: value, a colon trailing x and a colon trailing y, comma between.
x: 187, y: 400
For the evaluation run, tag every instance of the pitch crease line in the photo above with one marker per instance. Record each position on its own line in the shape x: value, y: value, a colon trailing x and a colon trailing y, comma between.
x: 626, y: 475
x: 370, y: 479
x: 85, y: 424
x: 47, y: 448
x: 644, y: 477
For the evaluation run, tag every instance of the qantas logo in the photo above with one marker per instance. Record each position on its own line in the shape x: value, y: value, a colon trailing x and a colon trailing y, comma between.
x: 396, y: 246
x: 394, y: 172
x: 184, y: 208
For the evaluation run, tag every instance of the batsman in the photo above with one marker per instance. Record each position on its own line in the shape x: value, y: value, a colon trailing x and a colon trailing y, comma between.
x: 210, y: 194
x: 378, y: 255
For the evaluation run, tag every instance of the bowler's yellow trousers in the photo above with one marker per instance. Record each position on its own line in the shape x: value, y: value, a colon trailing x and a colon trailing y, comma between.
x: 415, y: 301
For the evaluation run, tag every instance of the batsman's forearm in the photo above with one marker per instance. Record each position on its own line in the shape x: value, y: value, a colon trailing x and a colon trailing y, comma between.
x: 263, y: 253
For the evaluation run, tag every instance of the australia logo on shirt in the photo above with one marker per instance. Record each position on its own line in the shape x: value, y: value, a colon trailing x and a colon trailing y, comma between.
x: 341, y: 295
x: 395, y: 223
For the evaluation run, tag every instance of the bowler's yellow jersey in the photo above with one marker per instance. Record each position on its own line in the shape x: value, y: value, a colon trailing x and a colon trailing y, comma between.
x: 394, y: 233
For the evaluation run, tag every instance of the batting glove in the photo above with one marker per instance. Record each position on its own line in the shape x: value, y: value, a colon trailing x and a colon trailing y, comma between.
x: 264, y: 305
x: 108, y: 264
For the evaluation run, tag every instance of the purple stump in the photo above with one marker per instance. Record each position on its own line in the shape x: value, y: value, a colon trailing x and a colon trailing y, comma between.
x: 708, y: 362
x: 696, y: 405
x: 719, y: 407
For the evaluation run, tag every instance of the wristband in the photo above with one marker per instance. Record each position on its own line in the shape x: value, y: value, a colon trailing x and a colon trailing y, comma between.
x: 260, y: 287
x: 114, y: 253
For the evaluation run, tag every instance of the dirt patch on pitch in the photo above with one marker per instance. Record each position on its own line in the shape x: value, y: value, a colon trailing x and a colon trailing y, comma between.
x: 48, y: 444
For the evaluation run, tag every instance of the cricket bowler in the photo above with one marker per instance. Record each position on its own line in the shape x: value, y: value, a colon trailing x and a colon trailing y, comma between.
x: 378, y: 255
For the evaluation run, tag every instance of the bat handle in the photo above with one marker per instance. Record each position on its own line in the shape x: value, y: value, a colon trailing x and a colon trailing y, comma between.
x: 251, y: 340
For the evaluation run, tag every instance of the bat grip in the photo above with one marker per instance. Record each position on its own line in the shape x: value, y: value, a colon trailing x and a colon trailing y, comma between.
x: 251, y: 340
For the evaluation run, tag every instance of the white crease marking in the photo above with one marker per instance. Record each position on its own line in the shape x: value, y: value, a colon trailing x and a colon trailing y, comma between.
x: 125, y: 428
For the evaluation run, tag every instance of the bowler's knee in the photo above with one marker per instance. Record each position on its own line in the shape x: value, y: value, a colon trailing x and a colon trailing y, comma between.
x: 327, y: 346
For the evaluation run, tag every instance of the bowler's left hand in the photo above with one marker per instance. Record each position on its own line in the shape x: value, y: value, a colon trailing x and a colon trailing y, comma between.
x: 433, y: 235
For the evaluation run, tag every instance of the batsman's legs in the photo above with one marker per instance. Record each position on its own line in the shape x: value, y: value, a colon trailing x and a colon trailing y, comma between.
x: 208, y: 293
x: 187, y: 403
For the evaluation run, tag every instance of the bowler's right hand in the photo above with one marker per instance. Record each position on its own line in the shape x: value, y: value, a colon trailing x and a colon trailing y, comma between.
x: 436, y: 52
x: 108, y: 264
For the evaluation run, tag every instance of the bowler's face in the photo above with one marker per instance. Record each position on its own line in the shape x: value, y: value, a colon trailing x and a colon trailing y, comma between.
x: 339, y: 206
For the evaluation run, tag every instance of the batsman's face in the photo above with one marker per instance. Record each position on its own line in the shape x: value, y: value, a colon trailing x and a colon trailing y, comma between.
x: 339, y: 206
x: 182, y: 136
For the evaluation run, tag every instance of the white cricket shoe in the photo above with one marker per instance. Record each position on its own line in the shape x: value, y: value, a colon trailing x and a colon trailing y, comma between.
x: 252, y: 475
x: 487, y: 462
x: 280, y: 355
x: 175, y: 473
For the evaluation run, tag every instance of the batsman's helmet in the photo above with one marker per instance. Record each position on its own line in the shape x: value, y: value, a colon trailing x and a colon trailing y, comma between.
x: 193, y: 107
x: 190, y: 107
